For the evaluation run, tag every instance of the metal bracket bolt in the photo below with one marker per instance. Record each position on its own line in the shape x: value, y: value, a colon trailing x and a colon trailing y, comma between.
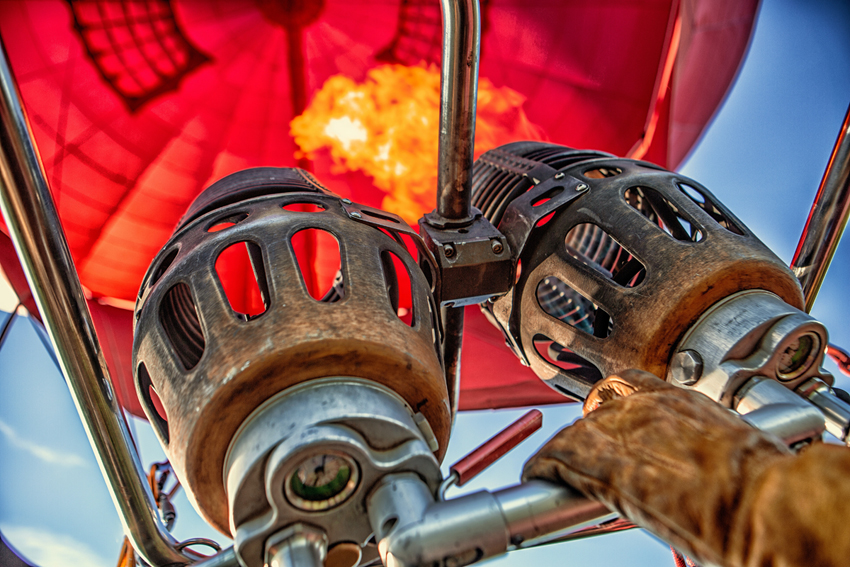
x: 686, y: 367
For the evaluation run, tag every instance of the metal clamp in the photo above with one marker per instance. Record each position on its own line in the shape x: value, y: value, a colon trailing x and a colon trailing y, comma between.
x: 528, y: 209
x: 756, y: 354
x: 474, y: 258
x: 396, y: 226
x: 750, y: 333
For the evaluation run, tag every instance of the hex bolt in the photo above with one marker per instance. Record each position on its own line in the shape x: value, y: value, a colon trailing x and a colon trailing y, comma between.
x: 355, y: 215
x: 497, y: 246
x: 686, y: 367
x: 559, y: 175
x: 346, y: 201
x: 581, y: 187
x: 449, y: 250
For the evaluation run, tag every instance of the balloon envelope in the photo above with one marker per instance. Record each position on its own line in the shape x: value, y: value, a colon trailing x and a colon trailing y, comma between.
x: 136, y: 107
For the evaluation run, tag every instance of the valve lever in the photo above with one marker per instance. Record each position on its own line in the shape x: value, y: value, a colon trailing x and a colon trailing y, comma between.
x: 496, y: 447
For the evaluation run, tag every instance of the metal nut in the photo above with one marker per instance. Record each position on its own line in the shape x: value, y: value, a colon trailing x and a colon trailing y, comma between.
x: 497, y: 247
x: 300, y: 541
x: 686, y: 367
x: 449, y: 250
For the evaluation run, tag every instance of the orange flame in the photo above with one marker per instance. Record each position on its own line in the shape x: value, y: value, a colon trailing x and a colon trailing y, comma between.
x: 387, y: 125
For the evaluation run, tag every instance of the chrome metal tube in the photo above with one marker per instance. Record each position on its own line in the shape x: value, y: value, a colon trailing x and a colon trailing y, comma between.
x: 34, y: 226
x: 452, y: 318
x: 768, y: 405
x: 611, y: 527
x: 224, y: 558
x: 459, y: 89
x: 827, y: 219
x: 413, y: 530
x: 835, y: 411
x: 538, y: 511
x: 458, y: 97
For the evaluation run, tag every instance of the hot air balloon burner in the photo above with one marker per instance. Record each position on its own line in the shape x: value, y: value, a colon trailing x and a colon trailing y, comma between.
x: 621, y: 264
x: 288, y: 409
x: 616, y: 260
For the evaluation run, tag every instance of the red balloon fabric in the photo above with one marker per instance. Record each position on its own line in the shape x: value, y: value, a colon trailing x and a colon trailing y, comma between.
x: 138, y: 106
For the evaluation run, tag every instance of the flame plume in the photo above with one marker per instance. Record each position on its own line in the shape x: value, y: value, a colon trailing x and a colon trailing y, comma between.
x: 386, y: 127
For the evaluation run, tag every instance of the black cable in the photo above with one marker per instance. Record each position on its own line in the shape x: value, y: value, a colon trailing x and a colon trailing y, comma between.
x: 7, y: 324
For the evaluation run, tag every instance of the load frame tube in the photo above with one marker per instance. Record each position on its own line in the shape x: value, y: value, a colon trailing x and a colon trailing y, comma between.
x: 39, y: 240
x: 827, y: 219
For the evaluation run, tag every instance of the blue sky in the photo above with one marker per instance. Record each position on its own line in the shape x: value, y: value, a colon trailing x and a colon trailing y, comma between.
x: 763, y: 156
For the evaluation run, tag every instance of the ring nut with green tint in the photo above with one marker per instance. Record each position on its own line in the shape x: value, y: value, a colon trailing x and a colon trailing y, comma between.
x: 322, y: 481
x: 797, y: 356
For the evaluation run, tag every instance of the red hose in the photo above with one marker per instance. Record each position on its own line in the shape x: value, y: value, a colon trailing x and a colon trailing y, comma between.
x: 841, y: 358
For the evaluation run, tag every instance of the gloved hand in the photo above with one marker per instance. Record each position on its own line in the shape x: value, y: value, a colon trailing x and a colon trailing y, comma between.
x: 699, y: 477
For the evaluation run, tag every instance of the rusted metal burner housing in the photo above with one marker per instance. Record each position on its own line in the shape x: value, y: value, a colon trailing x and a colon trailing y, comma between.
x: 617, y: 259
x: 211, y: 366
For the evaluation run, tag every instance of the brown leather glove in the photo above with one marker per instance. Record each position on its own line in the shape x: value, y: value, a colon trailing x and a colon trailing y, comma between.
x: 699, y: 477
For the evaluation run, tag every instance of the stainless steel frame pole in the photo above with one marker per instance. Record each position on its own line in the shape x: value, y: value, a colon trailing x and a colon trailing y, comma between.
x: 459, y: 91
x: 34, y: 226
x: 458, y: 97
x: 827, y: 219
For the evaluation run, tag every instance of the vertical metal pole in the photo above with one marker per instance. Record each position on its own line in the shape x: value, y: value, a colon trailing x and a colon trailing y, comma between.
x: 458, y: 94
x: 34, y: 226
x: 452, y: 318
x: 827, y: 219
x: 458, y: 97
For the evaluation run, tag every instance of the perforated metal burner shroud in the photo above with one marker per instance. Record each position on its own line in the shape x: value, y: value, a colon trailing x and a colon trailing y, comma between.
x: 612, y: 278
x: 212, y: 360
